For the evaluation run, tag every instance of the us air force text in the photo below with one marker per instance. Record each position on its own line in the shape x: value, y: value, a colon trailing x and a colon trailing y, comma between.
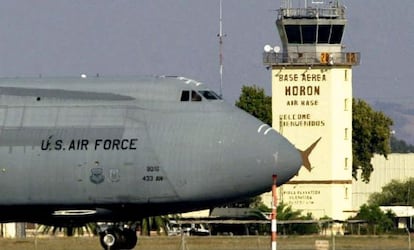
x: 85, y: 144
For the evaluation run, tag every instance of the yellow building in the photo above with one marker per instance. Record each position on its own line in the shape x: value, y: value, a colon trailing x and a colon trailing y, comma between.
x: 312, y: 103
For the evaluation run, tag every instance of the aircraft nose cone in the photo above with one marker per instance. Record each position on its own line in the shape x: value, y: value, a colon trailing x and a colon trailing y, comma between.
x: 285, y: 160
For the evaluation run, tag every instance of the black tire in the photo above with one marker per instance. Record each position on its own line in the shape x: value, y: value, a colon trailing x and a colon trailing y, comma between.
x: 130, y: 238
x: 115, y: 238
x: 111, y: 239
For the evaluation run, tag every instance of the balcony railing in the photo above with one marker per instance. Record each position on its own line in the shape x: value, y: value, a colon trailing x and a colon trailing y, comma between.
x: 311, y: 58
x: 312, y: 13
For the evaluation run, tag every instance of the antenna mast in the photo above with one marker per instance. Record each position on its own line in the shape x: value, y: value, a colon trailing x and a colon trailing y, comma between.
x: 220, y: 36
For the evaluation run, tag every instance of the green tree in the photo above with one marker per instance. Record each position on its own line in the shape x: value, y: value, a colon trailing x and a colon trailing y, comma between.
x: 254, y: 101
x: 370, y: 135
x: 394, y: 193
x: 378, y: 221
x: 306, y: 228
x: 286, y: 213
x: 156, y: 223
x: 400, y: 146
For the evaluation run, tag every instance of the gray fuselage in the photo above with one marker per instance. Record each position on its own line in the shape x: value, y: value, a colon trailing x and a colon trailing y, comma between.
x: 123, y: 148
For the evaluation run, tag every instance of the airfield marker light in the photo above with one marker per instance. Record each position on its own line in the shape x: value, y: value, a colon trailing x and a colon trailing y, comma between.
x: 274, y: 214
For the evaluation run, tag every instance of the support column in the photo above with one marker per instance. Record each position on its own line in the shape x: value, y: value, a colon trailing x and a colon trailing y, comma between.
x: 274, y: 214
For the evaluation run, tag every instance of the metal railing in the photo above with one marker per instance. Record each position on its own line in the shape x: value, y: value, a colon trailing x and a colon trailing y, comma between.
x: 312, y: 13
x: 311, y: 58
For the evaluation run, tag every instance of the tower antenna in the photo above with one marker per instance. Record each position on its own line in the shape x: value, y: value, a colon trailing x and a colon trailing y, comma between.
x: 220, y: 36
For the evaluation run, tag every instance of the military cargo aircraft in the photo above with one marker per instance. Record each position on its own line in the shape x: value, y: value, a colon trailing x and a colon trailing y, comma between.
x: 78, y: 150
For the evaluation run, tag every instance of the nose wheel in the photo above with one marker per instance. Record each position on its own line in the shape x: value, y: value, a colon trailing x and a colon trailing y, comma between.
x: 115, y: 238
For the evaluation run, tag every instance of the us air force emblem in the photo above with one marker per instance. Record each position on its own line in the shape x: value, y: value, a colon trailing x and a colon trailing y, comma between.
x: 97, y: 176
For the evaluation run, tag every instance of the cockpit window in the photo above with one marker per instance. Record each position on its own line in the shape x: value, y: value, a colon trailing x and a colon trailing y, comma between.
x: 185, y: 96
x: 209, y: 95
x: 195, y: 97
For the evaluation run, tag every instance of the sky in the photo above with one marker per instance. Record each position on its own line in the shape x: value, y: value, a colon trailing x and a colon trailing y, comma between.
x: 179, y: 37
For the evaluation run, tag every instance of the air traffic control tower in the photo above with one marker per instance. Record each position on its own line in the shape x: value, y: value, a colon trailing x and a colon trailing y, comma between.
x: 312, y: 103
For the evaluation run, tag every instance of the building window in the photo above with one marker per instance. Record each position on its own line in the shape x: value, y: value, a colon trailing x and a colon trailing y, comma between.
x: 346, y: 75
x: 346, y: 104
x: 346, y: 194
x: 346, y: 163
x: 346, y: 133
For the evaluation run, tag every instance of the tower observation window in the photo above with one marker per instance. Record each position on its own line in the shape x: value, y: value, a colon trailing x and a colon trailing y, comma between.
x: 309, y: 34
x: 293, y: 33
x: 324, y: 32
x: 336, y: 36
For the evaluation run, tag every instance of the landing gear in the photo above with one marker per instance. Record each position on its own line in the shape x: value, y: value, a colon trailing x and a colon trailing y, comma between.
x: 114, y: 238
